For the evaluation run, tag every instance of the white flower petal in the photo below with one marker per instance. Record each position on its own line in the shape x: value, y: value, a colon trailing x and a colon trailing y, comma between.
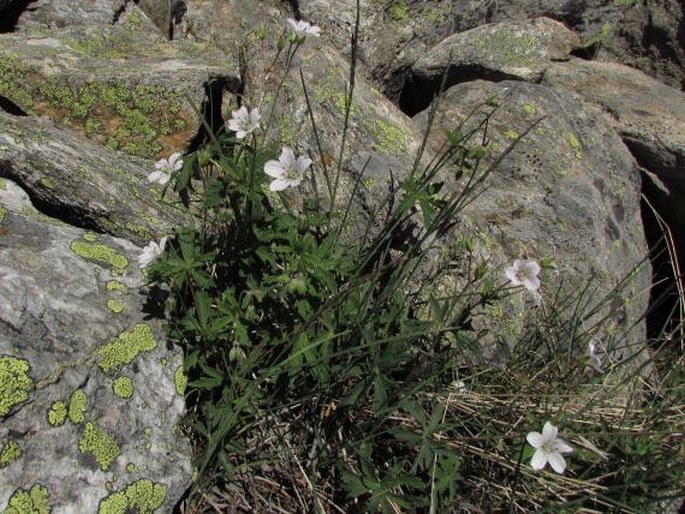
x: 303, y: 163
x: 287, y: 158
x: 532, y: 268
x: 557, y: 462
x: 549, y: 431
x: 531, y: 283
x: 535, y: 439
x: 160, y: 177
x: 562, y: 446
x: 274, y: 169
x: 539, y: 460
x: 279, y: 184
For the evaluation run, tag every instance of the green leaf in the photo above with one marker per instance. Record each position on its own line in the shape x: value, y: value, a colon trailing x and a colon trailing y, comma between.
x: 203, y: 305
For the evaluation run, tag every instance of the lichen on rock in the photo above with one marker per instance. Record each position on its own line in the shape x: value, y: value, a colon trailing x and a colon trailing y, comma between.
x: 142, y: 497
x: 123, y: 387
x: 9, y: 453
x: 126, y: 348
x: 57, y: 414
x: 77, y: 406
x: 116, y: 306
x: 100, y: 444
x: 14, y: 383
x: 99, y: 252
x: 33, y: 501
x: 180, y: 380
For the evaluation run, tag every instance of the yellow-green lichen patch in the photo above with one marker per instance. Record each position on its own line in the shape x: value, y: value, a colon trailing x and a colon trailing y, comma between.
x: 126, y: 348
x: 9, y: 453
x: 14, y: 383
x: 180, y: 380
x: 575, y: 145
x: 123, y: 387
x: 77, y: 406
x: 3, y: 213
x: 510, y: 134
x: 529, y: 110
x: 510, y: 46
x: 399, y: 11
x: 89, y: 236
x: 100, y: 444
x: 99, y: 253
x: 141, y: 497
x: 34, y: 501
x: 390, y: 138
x: 115, y: 285
x: 11, y: 74
x: 57, y: 414
x: 116, y: 306
x: 131, y: 467
x: 47, y: 183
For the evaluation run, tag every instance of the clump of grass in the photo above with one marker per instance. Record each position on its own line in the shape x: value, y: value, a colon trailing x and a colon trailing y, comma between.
x: 327, y: 374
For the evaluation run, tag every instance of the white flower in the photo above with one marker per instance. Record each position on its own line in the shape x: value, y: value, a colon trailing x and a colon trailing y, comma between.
x: 593, y: 358
x: 548, y: 448
x: 303, y: 29
x: 524, y: 274
x: 243, y: 123
x: 286, y: 171
x: 165, y: 167
x: 151, y: 252
x: 459, y: 386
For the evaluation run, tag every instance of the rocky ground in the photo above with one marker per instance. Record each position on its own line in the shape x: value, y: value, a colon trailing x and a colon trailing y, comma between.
x: 93, y: 93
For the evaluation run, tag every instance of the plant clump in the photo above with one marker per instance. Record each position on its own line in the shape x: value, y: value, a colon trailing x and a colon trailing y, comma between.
x: 327, y: 368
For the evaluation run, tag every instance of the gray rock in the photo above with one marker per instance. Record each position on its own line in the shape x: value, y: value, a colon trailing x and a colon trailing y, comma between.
x: 90, y: 391
x: 508, y: 50
x: 377, y: 130
x: 569, y: 190
x: 648, y: 115
x: 395, y: 34
x: 63, y: 13
x: 87, y: 185
x: 124, y: 86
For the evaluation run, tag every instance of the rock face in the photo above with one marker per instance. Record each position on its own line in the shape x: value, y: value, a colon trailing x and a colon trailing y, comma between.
x: 395, y: 34
x: 498, y: 51
x: 78, y: 181
x: 122, y: 85
x: 568, y: 188
x: 89, y: 391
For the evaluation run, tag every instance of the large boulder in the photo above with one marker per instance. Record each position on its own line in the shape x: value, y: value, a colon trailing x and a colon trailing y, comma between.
x: 123, y: 85
x: 569, y: 190
x: 90, y: 390
x: 649, y: 116
x: 69, y: 177
x: 497, y: 51
x: 395, y: 33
